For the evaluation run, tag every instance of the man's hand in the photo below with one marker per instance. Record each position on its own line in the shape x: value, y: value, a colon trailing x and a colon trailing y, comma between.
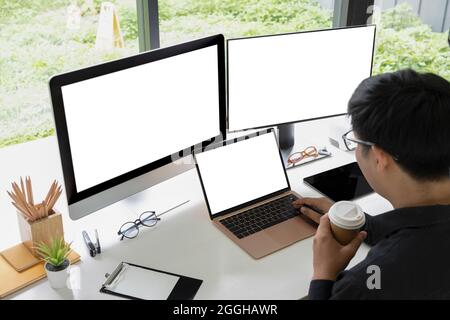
x: 330, y: 257
x: 321, y: 206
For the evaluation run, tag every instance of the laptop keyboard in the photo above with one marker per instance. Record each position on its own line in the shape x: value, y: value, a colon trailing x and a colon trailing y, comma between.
x: 262, y: 217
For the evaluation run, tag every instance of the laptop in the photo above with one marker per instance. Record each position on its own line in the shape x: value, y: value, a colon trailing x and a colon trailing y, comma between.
x: 248, y: 194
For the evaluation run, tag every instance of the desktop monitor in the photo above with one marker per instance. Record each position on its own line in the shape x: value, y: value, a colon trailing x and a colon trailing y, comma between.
x: 120, y: 125
x: 288, y: 78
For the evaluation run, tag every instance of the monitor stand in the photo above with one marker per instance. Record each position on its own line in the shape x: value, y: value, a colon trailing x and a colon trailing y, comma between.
x: 286, y: 140
x: 286, y: 135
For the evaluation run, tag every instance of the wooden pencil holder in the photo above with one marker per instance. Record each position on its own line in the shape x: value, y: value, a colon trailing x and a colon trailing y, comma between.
x: 42, y: 230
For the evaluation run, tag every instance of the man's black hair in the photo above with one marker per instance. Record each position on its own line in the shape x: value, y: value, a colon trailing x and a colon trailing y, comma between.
x: 407, y: 114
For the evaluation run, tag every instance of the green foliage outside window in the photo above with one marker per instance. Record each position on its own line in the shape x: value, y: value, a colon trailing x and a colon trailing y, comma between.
x: 404, y: 41
x: 187, y: 19
x: 35, y: 45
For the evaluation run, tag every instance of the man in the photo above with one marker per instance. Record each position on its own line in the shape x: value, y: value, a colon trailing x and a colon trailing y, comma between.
x: 401, y: 122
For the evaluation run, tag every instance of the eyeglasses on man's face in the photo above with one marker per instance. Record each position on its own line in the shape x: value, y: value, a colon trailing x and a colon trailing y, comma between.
x: 130, y: 229
x: 351, y: 141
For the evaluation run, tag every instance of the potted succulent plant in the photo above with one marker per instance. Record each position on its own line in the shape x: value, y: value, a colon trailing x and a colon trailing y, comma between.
x: 56, y: 261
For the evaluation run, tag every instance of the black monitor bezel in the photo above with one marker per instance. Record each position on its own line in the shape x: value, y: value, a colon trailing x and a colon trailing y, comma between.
x: 56, y: 82
x: 251, y: 202
x: 284, y: 34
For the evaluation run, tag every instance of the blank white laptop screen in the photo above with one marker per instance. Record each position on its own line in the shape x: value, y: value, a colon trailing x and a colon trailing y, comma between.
x: 294, y: 77
x: 127, y: 119
x: 241, y: 172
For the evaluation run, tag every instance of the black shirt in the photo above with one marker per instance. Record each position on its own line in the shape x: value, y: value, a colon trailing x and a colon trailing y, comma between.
x: 411, y: 247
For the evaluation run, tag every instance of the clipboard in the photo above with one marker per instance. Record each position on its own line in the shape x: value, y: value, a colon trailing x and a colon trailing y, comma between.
x: 137, y: 282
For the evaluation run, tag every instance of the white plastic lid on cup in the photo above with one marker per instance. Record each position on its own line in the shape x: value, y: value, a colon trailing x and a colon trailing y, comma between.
x: 347, y: 215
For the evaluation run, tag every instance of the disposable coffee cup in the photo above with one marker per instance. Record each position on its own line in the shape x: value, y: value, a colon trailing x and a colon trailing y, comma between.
x: 347, y: 219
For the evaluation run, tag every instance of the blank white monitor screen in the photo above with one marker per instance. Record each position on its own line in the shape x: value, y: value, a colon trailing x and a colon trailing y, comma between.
x: 293, y: 77
x: 241, y: 172
x: 124, y: 120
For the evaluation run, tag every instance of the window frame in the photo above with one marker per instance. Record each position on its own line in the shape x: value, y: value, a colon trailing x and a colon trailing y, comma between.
x: 352, y: 12
x: 148, y: 24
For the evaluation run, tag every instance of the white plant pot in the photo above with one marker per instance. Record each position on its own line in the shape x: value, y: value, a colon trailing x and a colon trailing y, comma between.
x: 57, y: 279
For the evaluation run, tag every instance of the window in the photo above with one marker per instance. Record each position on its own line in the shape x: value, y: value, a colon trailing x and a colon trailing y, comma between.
x: 412, y: 34
x: 40, y: 38
x: 183, y: 20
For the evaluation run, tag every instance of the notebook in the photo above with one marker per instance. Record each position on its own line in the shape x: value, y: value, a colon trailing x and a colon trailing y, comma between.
x: 138, y: 282
x: 19, y: 257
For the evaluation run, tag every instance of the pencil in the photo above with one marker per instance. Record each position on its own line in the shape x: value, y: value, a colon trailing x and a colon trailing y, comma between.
x: 18, y: 197
x: 22, y: 188
x: 55, y: 198
x: 22, y: 211
x: 29, y: 191
x: 50, y: 192
x: 53, y: 193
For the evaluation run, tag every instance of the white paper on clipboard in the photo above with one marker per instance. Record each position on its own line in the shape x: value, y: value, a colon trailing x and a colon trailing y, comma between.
x: 142, y: 283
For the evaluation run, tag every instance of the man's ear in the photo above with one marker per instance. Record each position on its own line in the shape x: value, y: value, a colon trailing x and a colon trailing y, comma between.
x: 382, y: 158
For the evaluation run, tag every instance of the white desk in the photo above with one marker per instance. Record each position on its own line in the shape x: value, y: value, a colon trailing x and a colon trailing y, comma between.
x: 184, y: 241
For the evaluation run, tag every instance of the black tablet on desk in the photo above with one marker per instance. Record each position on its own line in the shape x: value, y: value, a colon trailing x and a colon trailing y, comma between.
x: 342, y: 183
